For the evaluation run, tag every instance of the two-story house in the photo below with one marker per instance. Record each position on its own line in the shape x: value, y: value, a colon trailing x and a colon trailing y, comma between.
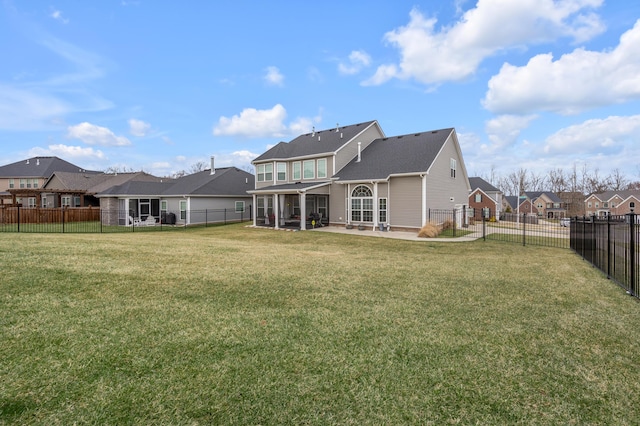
x: 484, y: 197
x: 20, y: 182
x: 356, y: 175
x: 547, y: 204
x: 611, y: 203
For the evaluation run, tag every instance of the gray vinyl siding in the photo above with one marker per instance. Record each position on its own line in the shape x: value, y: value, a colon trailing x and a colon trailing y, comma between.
x: 405, y: 201
x: 441, y: 186
x: 350, y: 151
x: 337, y: 206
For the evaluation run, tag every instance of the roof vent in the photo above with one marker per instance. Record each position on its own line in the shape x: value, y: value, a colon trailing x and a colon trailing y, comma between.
x: 337, y: 127
x: 318, y: 137
x: 213, y: 168
x: 340, y: 135
x: 313, y: 131
x: 27, y: 161
x: 359, y: 151
x: 37, y: 162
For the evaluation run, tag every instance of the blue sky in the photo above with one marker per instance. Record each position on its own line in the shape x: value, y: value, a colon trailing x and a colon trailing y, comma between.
x: 162, y: 85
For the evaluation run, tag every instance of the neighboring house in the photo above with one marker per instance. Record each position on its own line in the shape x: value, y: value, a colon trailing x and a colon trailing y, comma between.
x: 485, y: 196
x: 612, y: 203
x: 547, y: 204
x: 67, y: 189
x: 510, y: 204
x: 22, y: 180
x: 355, y: 175
x: 188, y: 200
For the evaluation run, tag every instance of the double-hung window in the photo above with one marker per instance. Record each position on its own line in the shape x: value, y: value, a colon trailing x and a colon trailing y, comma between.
x: 264, y: 172
x: 453, y: 168
x: 239, y: 206
x: 322, y: 168
x: 308, y: 171
x: 382, y: 210
x: 281, y: 170
x: 297, y: 170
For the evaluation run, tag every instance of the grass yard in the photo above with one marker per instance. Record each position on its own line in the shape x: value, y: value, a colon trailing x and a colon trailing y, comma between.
x: 232, y: 325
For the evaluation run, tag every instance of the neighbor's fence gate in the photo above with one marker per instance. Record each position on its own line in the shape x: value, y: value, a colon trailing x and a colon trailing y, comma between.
x: 612, y: 245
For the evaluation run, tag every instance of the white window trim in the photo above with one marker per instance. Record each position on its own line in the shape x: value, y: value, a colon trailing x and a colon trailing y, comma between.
x: 297, y: 164
x: 318, y: 161
x: 313, y: 163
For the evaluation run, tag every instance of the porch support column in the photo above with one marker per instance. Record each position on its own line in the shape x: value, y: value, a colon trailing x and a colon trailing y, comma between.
x: 254, y: 210
x: 282, y: 207
x: 348, y: 204
x: 424, y: 199
x: 276, y: 211
x: 375, y: 206
x: 303, y: 211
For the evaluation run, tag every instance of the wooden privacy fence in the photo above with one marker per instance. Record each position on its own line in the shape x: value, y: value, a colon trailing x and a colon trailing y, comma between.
x: 18, y: 215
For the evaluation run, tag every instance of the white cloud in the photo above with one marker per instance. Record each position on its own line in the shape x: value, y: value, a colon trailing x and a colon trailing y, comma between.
x: 69, y: 152
x: 96, y: 135
x: 57, y: 15
x: 431, y: 55
x: 253, y: 122
x: 274, y: 77
x: 358, y: 59
x: 577, y: 81
x: 597, y: 135
x: 138, y: 127
x: 504, y: 130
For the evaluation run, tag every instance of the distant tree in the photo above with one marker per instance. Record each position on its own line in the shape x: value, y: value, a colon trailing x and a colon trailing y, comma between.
x: 557, y: 180
x: 617, y: 180
x: 536, y: 182
x: 198, y: 167
x: 119, y: 169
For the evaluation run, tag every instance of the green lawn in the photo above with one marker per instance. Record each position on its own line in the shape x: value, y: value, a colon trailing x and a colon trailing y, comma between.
x: 233, y: 325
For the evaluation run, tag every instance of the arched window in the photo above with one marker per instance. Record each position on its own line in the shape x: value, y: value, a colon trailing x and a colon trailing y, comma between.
x: 361, y: 204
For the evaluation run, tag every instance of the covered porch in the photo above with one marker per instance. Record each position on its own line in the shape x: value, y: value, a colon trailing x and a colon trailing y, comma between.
x: 292, y: 206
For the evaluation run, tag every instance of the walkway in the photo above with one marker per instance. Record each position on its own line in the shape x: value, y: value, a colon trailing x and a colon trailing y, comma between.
x: 403, y: 235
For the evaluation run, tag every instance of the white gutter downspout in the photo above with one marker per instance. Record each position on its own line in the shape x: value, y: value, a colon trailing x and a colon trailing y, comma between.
x: 424, y: 199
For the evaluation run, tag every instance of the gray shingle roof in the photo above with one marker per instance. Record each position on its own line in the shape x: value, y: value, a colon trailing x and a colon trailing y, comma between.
x: 411, y: 153
x: 607, y: 195
x: 479, y: 183
x: 39, y: 167
x: 229, y: 181
x: 318, y: 142
x: 536, y: 194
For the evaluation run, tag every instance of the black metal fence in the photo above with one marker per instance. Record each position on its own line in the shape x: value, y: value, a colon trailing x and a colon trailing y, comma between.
x: 527, y: 229
x: 95, y: 220
x: 611, y: 244
x: 450, y: 220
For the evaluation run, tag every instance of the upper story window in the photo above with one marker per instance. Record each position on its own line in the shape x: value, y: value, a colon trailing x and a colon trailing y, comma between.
x: 23, y: 183
x: 12, y: 184
x: 281, y: 169
x: 322, y: 168
x: 453, y: 168
x: 264, y: 172
x: 478, y: 197
x: 35, y: 183
x: 589, y: 204
x: 605, y: 204
x: 597, y: 205
x: 308, y: 169
x: 297, y: 170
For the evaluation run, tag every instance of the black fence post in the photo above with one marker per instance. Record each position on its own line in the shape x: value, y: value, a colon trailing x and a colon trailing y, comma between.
x: 454, y: 222
x: 484, y: 229
x: 608, y: 246
x: 225, y: 216
x: 62, y: 217
x: 524, y: 227
x: 632, y: 253
x: 18, y: 217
